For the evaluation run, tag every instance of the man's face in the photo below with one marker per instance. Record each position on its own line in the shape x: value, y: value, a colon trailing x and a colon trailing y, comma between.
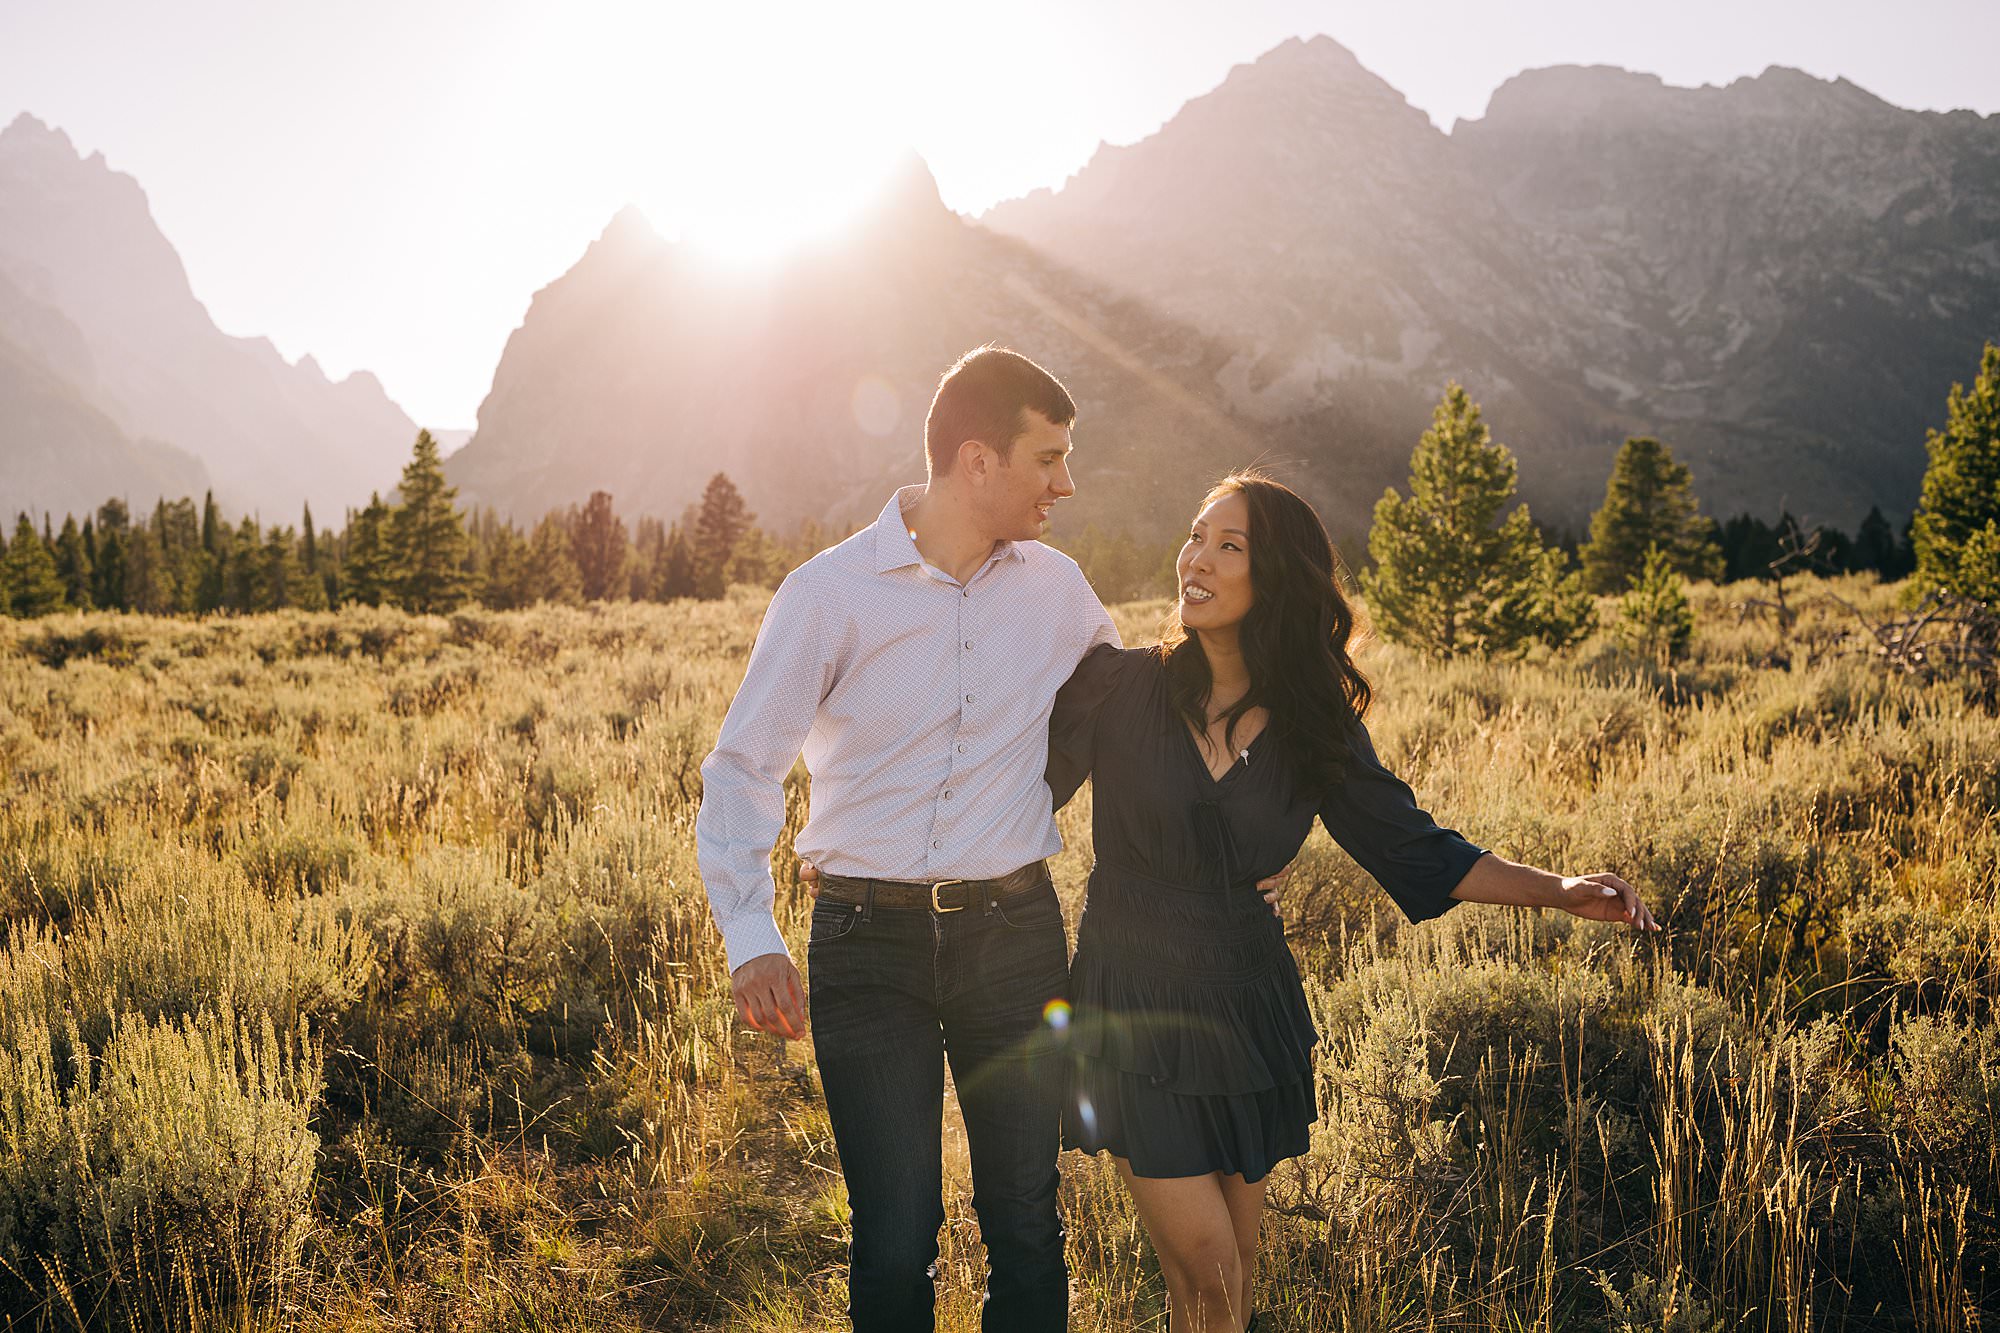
x: 1035, y: 474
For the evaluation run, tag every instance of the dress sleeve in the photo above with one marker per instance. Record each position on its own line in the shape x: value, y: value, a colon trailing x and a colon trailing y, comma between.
x: 1373, y: 815
x: 1073, y: 724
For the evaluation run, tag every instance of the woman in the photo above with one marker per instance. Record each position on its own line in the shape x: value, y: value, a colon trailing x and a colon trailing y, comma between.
x: 1211, y: 755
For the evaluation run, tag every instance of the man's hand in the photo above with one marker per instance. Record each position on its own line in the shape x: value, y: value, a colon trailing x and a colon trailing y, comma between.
x: 1274, y: 888
x: 1605, y: 897
x: 809, y: 876
x: 769, y: 997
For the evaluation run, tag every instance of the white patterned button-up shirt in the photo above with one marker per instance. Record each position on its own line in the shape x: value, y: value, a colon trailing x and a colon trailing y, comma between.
x: 922, y: 708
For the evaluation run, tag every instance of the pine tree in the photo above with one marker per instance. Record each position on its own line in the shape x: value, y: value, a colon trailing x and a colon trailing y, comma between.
x: 719, y: 525
x: 150, y: 584
x: 1450, y: 574
x: 507, y: 586
x: 241, y: 569
x: 1957, y: 527
x: 179, y: 530
x: 1874, y: 545
x: 677, y: 568
x: 1552, y: 607
x: 114, y: 526
x: 427, y: 541
x: 218, y: 547
x: 365, y: 570
x: 33, y: 587
x: 1648, y: 501
x: 598, y: 545
x: 73, y: 565
x: 218, y: 559
x: 308, y: 544
x: 1655, y: 618
x: 279, y: 577
x: 757, y: 560
x: 552, y: 572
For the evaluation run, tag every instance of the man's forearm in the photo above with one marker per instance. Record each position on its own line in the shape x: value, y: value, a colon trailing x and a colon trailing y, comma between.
x: 734, y: 831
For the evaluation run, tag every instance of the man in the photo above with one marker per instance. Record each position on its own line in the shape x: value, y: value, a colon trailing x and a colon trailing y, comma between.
x: 916, y: 664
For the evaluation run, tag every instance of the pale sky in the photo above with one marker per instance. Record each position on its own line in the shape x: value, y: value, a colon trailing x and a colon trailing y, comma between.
x: 385, y: 184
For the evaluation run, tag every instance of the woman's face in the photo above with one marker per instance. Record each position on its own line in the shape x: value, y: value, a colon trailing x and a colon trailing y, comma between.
x: 1214, y: 566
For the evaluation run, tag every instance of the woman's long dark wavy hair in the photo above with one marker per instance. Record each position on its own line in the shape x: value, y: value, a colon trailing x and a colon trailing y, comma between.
x: 1296, y: 638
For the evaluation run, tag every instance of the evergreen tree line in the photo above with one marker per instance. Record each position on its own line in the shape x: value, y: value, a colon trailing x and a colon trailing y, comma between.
x: 1451, y: 570
x: 1454, y: 572
x: 421, y: 553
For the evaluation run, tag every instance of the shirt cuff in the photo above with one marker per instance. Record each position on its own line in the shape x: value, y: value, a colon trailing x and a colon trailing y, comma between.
x: 752, y: 936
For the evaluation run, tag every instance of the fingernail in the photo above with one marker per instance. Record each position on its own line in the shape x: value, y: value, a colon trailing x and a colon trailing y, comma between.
x: 1608, y: 891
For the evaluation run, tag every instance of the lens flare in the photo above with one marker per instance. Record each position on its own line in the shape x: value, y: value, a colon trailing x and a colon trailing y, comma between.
x: 1086, y: 1115
x: 1056, y: 1014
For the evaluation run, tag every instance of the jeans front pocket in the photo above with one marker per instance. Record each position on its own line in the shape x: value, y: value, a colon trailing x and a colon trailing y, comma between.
x: 833, y: 921
x: 1037, y: 910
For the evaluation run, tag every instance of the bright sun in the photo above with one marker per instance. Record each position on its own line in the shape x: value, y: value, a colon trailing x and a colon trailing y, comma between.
x: 747, y: 146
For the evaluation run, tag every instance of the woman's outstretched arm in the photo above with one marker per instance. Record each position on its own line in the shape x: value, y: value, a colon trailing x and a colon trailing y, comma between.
x: 1598, y: 897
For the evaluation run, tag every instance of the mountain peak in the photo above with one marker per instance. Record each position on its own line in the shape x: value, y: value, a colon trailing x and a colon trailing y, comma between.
x: 1319, y: 52
x: 30, y: 133
x: 629, y: 226
x: 908, y: 193
x: 1314, y: 78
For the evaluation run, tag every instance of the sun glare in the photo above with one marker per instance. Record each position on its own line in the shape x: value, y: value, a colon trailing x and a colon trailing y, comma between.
x: 763, y: 191
x: 746, y: 145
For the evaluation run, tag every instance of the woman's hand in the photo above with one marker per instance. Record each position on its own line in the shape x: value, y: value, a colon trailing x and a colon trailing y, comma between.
x: 1605, y: 897
x: 1273, y: 888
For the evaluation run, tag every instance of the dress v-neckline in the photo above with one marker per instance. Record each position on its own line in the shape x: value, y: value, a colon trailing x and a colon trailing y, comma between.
x: 1201, y: 760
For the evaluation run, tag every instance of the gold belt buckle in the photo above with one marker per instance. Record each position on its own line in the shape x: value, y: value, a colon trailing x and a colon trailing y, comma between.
x: 937, y: 906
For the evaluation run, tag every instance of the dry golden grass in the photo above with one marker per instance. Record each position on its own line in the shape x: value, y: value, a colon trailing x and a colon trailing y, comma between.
x: 411, y: 904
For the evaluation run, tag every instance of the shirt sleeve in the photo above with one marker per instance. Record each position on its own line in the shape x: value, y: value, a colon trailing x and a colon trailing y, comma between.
x: 743, y: 780
x: 1102, y: 631
x: 1073, y: 724
x: 1373, y: 814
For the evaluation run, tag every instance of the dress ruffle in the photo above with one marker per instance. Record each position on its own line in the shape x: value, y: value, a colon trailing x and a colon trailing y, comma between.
x: 1164, y: 1135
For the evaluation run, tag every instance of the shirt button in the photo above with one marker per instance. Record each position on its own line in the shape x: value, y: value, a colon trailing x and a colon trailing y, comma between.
x: 963, y: 748
x: 936, y: 844
x: 947, y: 796
x: 968, y: 698
x: 968, y: 643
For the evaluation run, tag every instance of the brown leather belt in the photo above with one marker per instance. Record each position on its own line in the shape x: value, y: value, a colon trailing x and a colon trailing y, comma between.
x: 944, y: 895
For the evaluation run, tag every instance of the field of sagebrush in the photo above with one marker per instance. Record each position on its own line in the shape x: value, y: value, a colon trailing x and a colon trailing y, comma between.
x: 357, y: 974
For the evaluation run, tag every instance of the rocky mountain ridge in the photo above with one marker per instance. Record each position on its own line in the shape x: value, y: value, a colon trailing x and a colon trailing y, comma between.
x: 1782, y: 277
x: 115, y: 380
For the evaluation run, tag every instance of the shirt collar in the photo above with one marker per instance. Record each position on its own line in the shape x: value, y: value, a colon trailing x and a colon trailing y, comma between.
x: 895, y: 548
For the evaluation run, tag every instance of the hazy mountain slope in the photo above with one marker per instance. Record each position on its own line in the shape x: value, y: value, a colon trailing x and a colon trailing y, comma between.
x: 77, y: 240
x: 645, y: 369
x: 64, y: 456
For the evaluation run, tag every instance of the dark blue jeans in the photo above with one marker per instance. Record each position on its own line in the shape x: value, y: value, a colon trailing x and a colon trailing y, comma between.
x: 895, y: 992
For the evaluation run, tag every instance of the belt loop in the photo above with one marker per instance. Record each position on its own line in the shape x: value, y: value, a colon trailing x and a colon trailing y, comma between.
x: 868, y: 904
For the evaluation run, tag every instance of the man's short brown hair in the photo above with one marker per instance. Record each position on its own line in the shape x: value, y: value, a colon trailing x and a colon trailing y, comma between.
x: 982, y: 397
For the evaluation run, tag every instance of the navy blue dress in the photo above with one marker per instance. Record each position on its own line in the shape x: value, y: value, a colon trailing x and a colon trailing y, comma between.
x: 1192, y: 1039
